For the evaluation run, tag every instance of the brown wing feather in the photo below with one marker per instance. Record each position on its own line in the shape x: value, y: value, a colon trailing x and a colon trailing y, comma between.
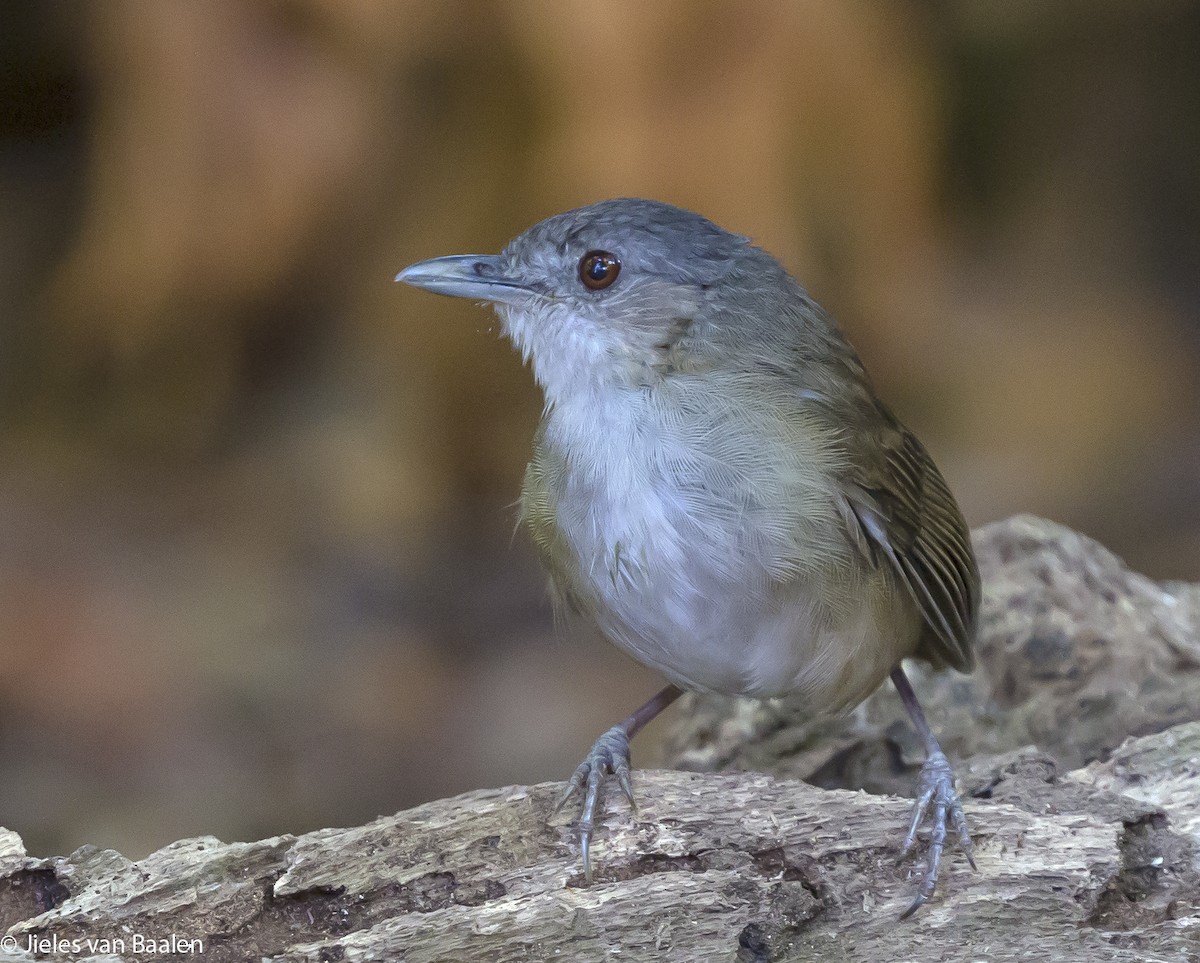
x: 907, y: 512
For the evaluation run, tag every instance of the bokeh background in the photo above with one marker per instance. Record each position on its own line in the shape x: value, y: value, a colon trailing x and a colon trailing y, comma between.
x: 257, y: 570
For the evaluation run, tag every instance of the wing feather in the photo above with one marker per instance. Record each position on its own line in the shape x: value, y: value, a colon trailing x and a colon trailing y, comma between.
x: 906, y: 509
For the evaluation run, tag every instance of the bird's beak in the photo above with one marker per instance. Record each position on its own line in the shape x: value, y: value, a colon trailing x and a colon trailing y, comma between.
x: 483, y: 277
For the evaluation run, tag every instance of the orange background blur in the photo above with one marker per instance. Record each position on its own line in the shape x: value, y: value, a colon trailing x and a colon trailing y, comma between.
x: 256, y: 564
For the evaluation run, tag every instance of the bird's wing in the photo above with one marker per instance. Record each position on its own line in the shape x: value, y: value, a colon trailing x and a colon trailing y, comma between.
x: 907, y: 515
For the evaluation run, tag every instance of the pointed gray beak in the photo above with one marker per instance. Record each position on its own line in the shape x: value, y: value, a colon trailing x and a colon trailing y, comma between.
x: 478, y: 276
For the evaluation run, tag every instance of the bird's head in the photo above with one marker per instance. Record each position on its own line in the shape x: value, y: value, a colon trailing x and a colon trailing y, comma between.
x: 622, y: 292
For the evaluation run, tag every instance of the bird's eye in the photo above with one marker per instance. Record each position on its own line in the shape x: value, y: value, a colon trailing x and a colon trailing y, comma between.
x: 598, y: 269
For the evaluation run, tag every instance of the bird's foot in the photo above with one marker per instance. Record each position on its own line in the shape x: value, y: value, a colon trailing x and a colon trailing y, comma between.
x: 610, y: 754
x: 938, y: 799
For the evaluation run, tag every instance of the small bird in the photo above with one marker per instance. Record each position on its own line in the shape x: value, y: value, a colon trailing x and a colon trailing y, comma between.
x: 716, y: 485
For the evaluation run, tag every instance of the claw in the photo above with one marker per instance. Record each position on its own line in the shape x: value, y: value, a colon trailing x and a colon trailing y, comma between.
x: 920, y: 808
x: 623, y: 780
x: 938, y: 799
x: 610, y: 755
x: 916, y: 905
x: 574, y: 784
x: 585, y: 846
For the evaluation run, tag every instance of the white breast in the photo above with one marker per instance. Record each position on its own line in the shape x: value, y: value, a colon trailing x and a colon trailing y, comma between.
x: 691, y: 530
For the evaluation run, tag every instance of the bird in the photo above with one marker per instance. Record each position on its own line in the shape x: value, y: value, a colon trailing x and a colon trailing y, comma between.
x: 716, y: 485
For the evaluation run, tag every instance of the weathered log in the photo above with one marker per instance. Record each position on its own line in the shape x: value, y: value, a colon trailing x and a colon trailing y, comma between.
x: 1097, y: 861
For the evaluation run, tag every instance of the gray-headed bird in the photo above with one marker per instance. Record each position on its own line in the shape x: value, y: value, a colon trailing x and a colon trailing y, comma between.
x: 715, y: 484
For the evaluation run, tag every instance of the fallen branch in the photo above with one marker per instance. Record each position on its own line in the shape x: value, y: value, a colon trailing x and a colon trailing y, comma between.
x: 1097, y: 863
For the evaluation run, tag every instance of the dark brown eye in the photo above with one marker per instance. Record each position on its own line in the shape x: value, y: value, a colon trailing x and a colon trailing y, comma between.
x: 598, y: 269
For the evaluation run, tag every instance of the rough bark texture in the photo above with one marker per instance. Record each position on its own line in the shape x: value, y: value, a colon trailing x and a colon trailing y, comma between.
x: 1088, y: 845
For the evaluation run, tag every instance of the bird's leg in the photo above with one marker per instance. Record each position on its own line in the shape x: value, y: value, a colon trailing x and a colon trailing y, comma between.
x: 610, y: 754
x: 936, y: 793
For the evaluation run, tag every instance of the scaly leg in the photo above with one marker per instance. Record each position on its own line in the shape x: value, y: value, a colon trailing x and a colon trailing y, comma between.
x: 936, y: 789
x: 610, y: 754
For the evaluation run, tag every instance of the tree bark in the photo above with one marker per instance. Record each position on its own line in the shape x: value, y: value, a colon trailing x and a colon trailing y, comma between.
x: 1096, y: 862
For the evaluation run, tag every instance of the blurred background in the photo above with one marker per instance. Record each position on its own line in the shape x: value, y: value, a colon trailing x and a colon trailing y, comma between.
x: 257, y: 570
